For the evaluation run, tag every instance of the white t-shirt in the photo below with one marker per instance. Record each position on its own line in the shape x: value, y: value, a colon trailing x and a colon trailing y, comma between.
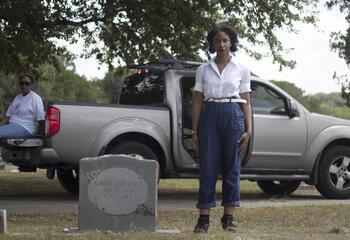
x: 234, y: 79
x: 26, y: 111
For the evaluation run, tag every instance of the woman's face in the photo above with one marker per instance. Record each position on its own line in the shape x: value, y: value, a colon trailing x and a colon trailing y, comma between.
x: 222, y: 43
x: 25, y: 85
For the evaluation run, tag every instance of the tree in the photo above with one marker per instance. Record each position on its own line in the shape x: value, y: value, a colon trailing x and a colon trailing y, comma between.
x: 290, y: 88
x: 54, y: 84
x: 111, y: 84
x: 8, y: 90
x: 341, y: 43
x: 138, y: 30
x: 329, y: 104
x: 65, y: 85
x: 295, y: 92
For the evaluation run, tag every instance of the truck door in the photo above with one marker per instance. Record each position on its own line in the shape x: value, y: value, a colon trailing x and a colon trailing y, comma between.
x: 279, y: 140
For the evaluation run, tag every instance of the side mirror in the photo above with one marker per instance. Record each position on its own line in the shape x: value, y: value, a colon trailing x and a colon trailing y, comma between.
x: 292, y: 109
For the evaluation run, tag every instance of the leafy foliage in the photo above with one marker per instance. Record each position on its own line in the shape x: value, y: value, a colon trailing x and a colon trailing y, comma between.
x: 330, y: 104
x: 341, y: 43
x: 54, y: 84
x: 66, y: 85
x: 137, y: 30
x: 112, y: 82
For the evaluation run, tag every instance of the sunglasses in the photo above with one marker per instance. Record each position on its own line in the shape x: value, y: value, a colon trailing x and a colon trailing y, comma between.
x: 22, y: 83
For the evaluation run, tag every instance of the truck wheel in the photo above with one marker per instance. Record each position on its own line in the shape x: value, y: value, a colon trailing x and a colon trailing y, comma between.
x: 334, y: 173
x: 135, y: 149
x: 69, y: 179
x: 280, y: 188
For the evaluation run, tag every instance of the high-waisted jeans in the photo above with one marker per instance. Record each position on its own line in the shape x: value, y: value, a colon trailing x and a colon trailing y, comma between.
x: 220, y: 127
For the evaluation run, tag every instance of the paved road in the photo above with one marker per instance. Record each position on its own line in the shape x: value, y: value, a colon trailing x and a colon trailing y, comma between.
x: 69, y: 204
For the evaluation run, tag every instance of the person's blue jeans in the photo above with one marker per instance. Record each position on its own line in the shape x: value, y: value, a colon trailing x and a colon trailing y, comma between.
x: 13, y: 130
x: 220, y: 127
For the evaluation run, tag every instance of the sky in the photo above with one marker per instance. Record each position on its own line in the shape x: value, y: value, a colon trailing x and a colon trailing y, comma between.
x: 315, y: 67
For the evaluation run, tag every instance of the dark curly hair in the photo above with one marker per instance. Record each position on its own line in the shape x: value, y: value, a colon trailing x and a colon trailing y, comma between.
x: 31, y: 78
x: 226, y: 29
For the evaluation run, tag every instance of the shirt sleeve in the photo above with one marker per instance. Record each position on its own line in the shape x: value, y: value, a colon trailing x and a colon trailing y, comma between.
x: 199, y: 86
x: 39, y: 112
x: 245, y: 82
x: 10, y: 112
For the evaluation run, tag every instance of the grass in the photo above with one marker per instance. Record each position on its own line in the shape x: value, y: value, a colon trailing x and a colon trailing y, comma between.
x: 36, y: 184
x: 306, y: 222
x: 311, y: 222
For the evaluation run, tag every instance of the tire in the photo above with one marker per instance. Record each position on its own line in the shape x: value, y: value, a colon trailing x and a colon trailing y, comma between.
x: 69, y: 180
x: 279, y: 188
x: 334, y: 173
x: 135, y: 149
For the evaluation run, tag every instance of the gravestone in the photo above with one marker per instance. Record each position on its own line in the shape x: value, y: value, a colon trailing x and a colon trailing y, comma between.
x: 117, y: 193
x: 3, y: 221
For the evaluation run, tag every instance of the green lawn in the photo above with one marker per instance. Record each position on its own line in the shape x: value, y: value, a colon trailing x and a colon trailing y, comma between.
x: 304, y: 222
x: 312, y: 222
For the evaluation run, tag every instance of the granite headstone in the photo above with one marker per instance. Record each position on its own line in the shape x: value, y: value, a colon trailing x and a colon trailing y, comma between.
x: 118, y: 193
x: 3, y: 221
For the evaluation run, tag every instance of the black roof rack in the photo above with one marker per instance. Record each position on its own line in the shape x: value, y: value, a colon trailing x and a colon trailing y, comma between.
x: 166, y: 64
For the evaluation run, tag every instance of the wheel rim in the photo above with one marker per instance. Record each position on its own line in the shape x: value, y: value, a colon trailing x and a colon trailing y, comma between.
x: 339, y: 173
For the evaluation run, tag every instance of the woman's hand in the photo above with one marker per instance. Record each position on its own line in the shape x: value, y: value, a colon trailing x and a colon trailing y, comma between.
x: 195, y: 143
x: 247, y: 110
x: 244, y: 140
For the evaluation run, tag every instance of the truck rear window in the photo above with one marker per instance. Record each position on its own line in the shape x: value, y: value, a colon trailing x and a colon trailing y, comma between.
x: 143, y: 89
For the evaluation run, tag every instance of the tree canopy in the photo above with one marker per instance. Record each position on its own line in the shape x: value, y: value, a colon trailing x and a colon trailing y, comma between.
x: 341, y: 43
x: 326, y: 103
x: 138, y: 30
x: 57, y: 83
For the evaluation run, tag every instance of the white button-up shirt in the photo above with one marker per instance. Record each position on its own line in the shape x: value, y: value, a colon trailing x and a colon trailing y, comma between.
x: 234, y: 79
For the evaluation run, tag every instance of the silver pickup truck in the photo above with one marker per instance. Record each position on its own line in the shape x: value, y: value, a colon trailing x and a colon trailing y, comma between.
x: 153, y: 120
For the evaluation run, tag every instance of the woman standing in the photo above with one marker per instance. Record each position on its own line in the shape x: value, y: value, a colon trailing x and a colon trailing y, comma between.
x: 221, y: 125
x: 25, y: 113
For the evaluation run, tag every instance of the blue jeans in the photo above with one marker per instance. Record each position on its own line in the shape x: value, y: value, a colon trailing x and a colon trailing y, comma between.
x: 13, y: 130
x: 220, y: 126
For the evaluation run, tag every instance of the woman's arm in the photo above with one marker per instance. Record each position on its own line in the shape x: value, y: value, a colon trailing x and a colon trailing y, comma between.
x: 198, y: 100
x: 247, y: 110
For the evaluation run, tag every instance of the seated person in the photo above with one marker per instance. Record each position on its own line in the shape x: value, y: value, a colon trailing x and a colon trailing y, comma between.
x: 24, y: 114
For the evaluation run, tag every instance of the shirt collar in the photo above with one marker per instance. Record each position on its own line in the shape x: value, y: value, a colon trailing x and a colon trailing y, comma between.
x: 232, y: 60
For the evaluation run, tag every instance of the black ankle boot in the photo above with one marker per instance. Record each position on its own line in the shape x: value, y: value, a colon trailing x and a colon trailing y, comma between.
x: 202, y: 225
x: 228, y: 224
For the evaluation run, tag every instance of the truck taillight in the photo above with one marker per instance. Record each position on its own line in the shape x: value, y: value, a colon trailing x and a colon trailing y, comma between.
x: 53, y: 121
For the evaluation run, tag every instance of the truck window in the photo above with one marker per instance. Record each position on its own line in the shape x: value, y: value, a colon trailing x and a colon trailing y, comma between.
x: 187, y: 85
x: 267, y: 101
x: 143, y: 89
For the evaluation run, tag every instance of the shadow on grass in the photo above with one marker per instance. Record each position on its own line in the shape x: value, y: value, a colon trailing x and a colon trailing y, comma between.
x: 37, y: 186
